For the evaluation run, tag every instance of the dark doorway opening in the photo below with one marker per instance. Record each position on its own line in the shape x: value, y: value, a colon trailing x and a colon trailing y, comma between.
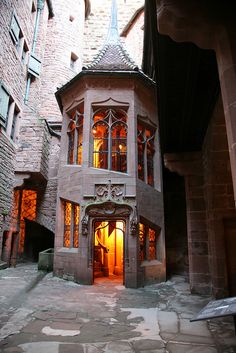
x: 37, y: 239
x: 175, y: 224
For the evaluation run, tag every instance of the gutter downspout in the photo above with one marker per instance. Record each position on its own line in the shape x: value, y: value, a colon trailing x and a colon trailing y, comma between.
x: 40, y: 4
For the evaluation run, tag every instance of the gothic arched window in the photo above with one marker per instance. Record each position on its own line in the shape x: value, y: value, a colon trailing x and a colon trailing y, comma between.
x: 75, y: 136
x: 109, y: 132
x: 146, y: 151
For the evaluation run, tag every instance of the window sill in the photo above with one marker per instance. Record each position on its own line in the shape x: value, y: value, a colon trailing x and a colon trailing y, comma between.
x: 109, y: 171
x: 13, y: 143
x: 68, y: 250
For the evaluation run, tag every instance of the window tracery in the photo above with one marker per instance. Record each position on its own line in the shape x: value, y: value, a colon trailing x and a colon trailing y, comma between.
x: 146, y: 151
x: 109, y: 132
x: 75, y: 136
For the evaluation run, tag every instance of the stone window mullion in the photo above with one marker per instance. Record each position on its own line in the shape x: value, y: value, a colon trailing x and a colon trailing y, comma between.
x: 75, y: 144
x: 72, y: 226
x: 146, y: 242
x: 145, y: 158
x: 109, y: 144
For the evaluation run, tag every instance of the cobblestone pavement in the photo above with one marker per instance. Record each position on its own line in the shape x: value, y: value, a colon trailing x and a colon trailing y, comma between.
x: 41, y: 313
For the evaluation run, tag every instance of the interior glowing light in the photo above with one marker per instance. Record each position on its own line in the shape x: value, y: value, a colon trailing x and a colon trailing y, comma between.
x: 94, y: 130
x: 120, y: 147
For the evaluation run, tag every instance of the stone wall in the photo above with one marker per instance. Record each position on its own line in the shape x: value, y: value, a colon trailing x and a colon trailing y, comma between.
x: 133, y: 36
x: 65, y: 38
x: 34, y: 157
x: 7, y: 156
x: 175, y: 224
x: 218, y: 191
x: 46, y: 212
x: 12, y: 69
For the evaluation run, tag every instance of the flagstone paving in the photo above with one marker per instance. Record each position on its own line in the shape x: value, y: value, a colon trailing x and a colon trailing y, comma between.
x: 41, y: 313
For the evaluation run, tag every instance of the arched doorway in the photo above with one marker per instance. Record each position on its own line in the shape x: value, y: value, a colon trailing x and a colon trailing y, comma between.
x: 108, y: 259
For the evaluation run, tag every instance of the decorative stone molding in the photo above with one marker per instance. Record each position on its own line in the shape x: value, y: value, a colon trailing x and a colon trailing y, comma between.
x: 113, y: 192
x: 108, y: 209
x: 85, y: 225
x: 134, y: 223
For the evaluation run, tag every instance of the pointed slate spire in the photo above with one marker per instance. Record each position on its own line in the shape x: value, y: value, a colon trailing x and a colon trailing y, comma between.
x: 113, y: 34
x: 112, y: 56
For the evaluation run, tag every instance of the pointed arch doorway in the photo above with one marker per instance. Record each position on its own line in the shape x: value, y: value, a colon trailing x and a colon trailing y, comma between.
x: 108, y: 259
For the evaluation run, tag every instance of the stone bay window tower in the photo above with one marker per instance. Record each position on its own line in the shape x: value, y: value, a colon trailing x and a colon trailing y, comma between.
x: 110, y: 205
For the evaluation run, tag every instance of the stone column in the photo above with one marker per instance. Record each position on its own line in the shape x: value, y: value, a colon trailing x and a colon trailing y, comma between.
x: 189, y: 165
x: 226, y: 59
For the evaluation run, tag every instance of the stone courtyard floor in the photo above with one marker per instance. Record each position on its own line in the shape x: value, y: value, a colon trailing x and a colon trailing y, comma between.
x: 41, y: 313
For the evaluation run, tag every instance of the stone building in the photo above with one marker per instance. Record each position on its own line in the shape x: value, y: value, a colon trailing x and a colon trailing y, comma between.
x: 42, y: 49
x: 34, y: 35
x: 109, y: 207
x: 189, y: 50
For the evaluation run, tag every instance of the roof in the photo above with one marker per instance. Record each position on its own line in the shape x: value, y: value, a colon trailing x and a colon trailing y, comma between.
x: 112, y: 57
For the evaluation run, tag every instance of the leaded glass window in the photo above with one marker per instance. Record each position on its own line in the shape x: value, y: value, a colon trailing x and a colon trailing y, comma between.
x: 109, y: 132
x: 148, y: 240
x: 71, y: 225
x: 75, y: 137
x: 146, y: 151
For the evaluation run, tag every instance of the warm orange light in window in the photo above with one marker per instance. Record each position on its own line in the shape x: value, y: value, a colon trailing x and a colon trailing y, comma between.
x: 28, y: 211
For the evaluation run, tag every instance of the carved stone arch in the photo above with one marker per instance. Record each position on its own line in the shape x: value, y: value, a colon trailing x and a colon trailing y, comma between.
x: 109, y: 209
x: 74, y: 104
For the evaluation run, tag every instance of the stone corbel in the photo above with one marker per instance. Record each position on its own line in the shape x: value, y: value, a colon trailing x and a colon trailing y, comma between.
x: 188, y: 163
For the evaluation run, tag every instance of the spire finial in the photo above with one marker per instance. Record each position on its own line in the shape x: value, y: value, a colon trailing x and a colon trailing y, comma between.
x: 113, y: 33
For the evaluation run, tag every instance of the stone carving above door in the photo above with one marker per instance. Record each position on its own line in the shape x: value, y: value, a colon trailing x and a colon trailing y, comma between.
x: 109, y: 192
x: 108, y: 209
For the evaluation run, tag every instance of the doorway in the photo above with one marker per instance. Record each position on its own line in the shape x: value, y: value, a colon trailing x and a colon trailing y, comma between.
x: 108, y: 260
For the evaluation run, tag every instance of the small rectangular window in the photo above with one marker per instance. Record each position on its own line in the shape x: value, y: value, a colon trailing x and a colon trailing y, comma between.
x: 9, y: 113
x: 14, y: 121
x: 4, y: 106
x: 34, y: 66
x: 71, y: 225
x: 148, y: 242
x: 15, y: 29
